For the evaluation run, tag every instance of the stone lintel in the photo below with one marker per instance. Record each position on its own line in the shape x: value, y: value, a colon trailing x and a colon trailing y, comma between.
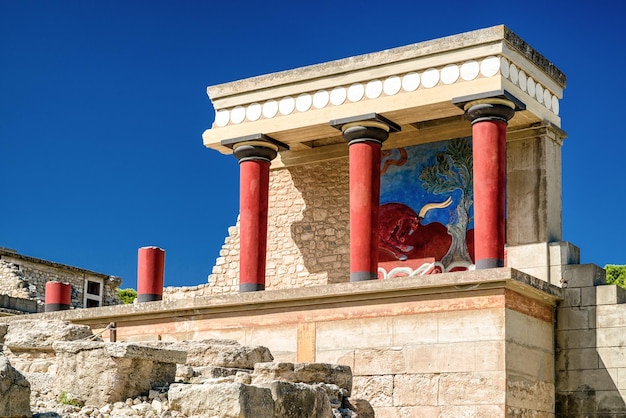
x: 341, y: 293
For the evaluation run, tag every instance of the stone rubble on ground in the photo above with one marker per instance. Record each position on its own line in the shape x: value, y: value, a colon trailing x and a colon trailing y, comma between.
x: 185, y: 379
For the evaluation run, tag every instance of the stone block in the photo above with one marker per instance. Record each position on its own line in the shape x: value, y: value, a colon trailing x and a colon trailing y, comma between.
x: 218, y: 353
x: 529, y: 331
x: 531, y: 362
x: 583, y: 275
x: 378, y: 390
x: 472, y: 325
x: 38, y: 334
x: 345, y: 357
x: 490, y: 356
x: 577, y: 359
x: 299, y: 400
x: 414, y: 330
x: 14, y: 391
x: 472, y: 388
x: 585, y: 380
x: 100, y: 373
x: 415, y: 389
x: 224, y: 400
x: 530, y: 258
x: 309, y: 373
x: 571, y: 297
x: 574, y: 318
x: 611, y: 337
x: 610, y: 294
x: 584, y: 338
x: 563, y: 253
x: 611, y: 316
x: 612, y: 356
x: 355, y: 333
x: 372, y: 361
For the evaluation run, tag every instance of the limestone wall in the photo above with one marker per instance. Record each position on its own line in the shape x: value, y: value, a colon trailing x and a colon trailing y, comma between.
x: 477, y: 343
x: 26, y: 277
x: 308, y: 239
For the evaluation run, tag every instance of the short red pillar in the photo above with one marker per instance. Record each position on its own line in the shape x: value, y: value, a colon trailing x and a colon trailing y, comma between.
x: 58, y: 296
x: 255, y: 154
x: 150, y: 271
x: 365, y: 135
x: 489, y: 119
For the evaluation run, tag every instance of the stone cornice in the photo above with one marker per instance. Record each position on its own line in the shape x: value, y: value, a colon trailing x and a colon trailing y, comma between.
x: 319, y: 296
x: 406, y: 84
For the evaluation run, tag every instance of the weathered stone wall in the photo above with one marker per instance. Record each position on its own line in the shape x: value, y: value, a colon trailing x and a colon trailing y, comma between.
x: 308, y: 241
x: 26, y: 277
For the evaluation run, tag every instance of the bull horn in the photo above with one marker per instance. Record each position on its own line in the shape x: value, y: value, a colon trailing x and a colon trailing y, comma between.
x: 430, y: 206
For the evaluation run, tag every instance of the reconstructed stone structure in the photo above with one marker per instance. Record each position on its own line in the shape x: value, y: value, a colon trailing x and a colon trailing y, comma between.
x: 435, y: 167
x: 24, y: 279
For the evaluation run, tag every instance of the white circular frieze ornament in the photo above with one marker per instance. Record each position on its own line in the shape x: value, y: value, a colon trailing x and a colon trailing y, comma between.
x: 286, y: 105
x: 373, y: 89
x: 338, y: 96
x: 490, y: 66
x: 449, y: 74
x: 513, y: 74
x: 392, y: 85
x: 410, y: 82
x: 504, y: 67
x: 522, y: 80
x: 539, y: 94
x: 547, y: 98
x: 222, y: 117
x: 270, y: 109
x: 238, y: 114
x: 356, y: 92
x: 430, y: 78
x: 320, y: 99
x: 470, y: 70
x: 303, y: 102
x: 555, y: 105
x: 253, y: 112
x: 530, y: 86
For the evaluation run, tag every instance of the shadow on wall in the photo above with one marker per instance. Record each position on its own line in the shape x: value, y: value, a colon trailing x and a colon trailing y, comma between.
x: 323, y: 234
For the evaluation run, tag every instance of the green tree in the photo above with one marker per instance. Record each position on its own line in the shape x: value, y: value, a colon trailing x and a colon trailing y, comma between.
x: 616, y: 274
x: 127, y: 295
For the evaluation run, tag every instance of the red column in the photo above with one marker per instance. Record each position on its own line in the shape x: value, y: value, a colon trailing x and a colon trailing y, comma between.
x: 58, y: 296
x: 150, y: 271
x: 489, y: 120
x: 365, y: 135
x: 254, y: 155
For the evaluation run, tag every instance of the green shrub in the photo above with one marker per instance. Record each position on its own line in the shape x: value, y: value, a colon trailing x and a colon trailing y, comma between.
x: 127, y: 295
x: 68, y: 399
x: 616, y: 274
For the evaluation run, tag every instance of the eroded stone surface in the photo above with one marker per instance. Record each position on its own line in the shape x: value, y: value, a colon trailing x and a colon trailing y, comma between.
x: 309, y: 373
x: 38, y: 334
x: 14, y: 391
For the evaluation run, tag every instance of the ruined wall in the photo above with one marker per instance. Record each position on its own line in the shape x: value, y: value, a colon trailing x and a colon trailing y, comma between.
x: 26, y: 277
x: 308, y: 239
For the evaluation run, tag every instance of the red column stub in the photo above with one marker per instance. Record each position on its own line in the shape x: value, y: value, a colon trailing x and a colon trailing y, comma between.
x: 255, y: 154
x: 365, y: 135
x: 150, y: 271
x: 58, y: 296
x: 489, y: 119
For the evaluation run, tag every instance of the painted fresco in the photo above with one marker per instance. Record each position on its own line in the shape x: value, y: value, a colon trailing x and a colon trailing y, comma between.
x: 426, y: 207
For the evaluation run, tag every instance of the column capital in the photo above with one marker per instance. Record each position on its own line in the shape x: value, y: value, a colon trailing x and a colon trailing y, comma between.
x: 497, y: 105
x: 370, y: 127
x: 257, y: 147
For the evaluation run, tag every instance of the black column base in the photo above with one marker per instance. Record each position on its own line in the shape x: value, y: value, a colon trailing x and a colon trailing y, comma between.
x: 489, y: 263
x: 149, y: 297
x: 250, y: 287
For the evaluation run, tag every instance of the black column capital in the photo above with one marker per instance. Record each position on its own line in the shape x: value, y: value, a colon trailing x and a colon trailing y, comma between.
x: 257, y: 147
x: 492, y: 109
x: 371, y: 127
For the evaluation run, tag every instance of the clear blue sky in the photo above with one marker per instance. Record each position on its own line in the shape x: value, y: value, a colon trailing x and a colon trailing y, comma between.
x: 103, y: 104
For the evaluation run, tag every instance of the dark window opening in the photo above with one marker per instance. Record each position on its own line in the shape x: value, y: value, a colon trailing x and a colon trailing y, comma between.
x: 93, y: 288
x: 92, y: 303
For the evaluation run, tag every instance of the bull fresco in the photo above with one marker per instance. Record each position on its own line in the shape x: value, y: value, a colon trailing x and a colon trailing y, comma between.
x: 426, y: 212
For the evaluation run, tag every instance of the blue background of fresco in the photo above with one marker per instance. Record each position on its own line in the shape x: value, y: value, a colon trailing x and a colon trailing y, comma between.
x: 403, y: 185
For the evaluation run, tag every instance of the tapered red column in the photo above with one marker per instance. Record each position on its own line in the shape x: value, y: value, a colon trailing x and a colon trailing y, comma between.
x: 150, y: 274
x: 255, y: 154
x: 58, y: 296
x: 489, y: 119
x: 365, y: 135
